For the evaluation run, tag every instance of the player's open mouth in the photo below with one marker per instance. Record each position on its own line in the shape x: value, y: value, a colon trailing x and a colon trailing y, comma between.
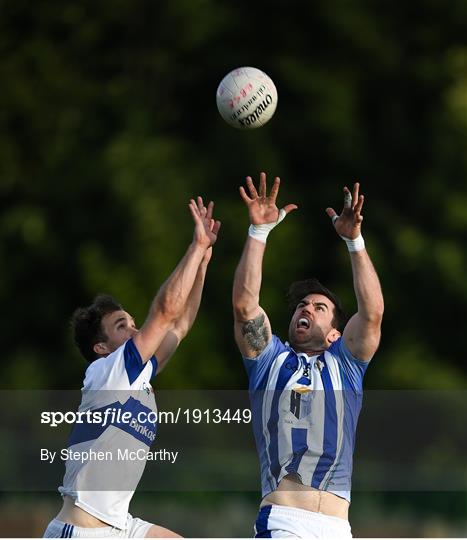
x: 303, y: 323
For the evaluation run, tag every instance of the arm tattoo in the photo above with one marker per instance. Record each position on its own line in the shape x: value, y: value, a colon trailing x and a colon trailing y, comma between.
x: 256, y: 333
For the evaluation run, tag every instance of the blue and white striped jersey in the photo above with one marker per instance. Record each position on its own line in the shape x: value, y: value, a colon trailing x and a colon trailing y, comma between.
x: 120, y: 384
x: 304, y: 412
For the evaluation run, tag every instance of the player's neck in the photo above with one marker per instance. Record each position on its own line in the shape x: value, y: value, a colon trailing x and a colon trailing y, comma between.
x: 311, y: 351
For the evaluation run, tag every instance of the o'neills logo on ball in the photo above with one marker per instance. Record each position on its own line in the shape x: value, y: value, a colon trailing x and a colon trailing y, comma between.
x: 246, y: 98
x: 254, y: 116
x: 251, y: 101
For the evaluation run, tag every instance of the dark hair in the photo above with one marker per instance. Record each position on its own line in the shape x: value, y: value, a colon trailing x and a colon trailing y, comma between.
x: 299, y: 289
x: 86, y: 324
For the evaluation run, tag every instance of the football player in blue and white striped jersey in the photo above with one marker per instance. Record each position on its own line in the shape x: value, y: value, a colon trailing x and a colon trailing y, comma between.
x: 306, y: 393
x: 97, y: 493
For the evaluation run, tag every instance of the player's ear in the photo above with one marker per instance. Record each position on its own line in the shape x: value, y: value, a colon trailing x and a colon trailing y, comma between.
x: 101, y: 348
x: 333, y: 335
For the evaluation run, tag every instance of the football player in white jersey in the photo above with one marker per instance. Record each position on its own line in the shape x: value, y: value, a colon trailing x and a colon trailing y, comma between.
x: 306, y: 393
x: 123, y: 359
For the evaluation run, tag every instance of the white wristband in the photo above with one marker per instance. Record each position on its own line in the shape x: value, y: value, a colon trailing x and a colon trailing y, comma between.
x: 260, y: 232
x: 355, y: 244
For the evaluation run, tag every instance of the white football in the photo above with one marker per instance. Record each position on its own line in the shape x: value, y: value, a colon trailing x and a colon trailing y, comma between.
x: 246, y: 98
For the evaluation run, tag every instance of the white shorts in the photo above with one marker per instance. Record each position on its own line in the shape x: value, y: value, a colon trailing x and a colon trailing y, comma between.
x: 276, y: 521
x: 135, y: 528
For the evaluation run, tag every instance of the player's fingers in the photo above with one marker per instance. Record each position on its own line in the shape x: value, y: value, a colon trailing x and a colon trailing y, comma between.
x: 216, y: 227
x: 194, y: 210
x: 243, y: 195
x: 210, y: 210
x: 332, y: 214
x: 289, y: 207
x: 201, y: 207
x: 275, y: 189
x: 359, y: 205
x: 193, y: 204
x: 347, y: 198
x: 251, y: 187
x: 355, y: 198
x: 262, y: 184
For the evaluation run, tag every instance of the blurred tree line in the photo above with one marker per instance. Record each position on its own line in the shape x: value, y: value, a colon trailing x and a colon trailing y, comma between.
x: 109, y: 126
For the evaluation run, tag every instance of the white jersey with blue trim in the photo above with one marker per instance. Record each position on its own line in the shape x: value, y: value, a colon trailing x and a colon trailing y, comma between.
x: 100, y: 475
x: 305, y: 412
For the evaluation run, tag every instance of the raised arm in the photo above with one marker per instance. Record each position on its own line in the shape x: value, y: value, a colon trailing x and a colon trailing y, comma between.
x: 363, y: 331
x: 183, y: 325
x: 170, y: 302
x: 251, y: 324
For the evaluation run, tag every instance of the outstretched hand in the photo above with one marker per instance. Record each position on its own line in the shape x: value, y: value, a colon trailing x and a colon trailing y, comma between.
x: 262, y: 208
x: 348, y: 224
x: 206, y: 227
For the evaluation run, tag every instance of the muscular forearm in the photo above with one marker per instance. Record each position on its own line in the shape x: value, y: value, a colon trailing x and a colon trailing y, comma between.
x: 173, y: 295
x: 185, y: 322
x: 367, y: 286
x: 168, y: 305
x: 247, y: 281
x: 181, y: 326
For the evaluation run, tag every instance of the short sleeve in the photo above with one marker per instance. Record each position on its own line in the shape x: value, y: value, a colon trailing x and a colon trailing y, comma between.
x: 154, y: 363
x: 258, y: 368
x: 353, y: 368
x: 117, y: 371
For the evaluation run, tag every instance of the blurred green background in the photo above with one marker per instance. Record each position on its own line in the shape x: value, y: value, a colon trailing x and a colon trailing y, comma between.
x: 108, y: 126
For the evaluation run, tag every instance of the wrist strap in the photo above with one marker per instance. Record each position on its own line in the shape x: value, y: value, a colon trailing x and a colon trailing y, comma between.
x: 260, y: 232
x: 354, y: 244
